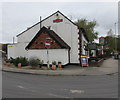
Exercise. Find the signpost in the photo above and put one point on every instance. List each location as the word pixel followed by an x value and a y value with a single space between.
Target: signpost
pixel 47 45
pixel 102 42
pixel 84 61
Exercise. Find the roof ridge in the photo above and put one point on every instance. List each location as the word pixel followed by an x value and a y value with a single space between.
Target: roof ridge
pixel 45 19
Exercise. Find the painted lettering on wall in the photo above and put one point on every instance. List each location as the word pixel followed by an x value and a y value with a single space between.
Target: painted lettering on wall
pixel 58 19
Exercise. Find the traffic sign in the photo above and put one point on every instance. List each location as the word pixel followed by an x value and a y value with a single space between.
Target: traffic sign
pixel 47 44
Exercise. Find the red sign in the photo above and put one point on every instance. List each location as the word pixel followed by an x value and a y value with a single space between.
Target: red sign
pixel 101 40
pixel 47 44
pixel 57 20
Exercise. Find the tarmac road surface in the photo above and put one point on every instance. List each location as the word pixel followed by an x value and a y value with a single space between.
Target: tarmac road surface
pixel 17 85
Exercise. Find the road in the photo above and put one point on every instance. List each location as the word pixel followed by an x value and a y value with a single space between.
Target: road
pixel 17 85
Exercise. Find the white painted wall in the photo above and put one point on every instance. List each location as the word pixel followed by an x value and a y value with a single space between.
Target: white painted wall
pixel 54 55
pixel 64 29
pixel 11 51
pixel 20 49
pixel 17 50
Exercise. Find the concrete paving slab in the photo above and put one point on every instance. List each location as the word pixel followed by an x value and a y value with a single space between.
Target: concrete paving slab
pixel 109 66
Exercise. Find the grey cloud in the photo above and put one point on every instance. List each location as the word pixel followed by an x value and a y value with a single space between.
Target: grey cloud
pixel 18 16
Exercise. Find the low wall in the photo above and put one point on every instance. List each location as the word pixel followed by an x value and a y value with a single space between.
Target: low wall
pixel 96 63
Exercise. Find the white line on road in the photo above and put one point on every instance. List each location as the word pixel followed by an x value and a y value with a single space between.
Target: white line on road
pixel 77 91
pixel 20 86
pixel 55 95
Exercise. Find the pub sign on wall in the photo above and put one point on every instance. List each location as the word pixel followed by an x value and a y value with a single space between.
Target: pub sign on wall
pixel 58 19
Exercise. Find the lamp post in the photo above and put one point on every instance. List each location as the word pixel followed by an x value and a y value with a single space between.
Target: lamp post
pixel 115 38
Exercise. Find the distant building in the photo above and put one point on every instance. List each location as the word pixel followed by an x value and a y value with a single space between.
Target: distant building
pixel 67 41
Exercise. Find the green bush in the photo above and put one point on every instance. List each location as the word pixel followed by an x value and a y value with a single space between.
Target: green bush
pixel 54 63
pixel 59 62
pixel 11 60
pixel 7 60
pixel 41 62
pixel 22 60
pixel 34 61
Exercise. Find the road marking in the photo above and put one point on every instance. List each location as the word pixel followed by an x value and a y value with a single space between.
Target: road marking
pixel 20 86
pixel 77 91
pixel 55 95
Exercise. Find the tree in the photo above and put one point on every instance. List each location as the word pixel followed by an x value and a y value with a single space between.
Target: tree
pixel 113 43
pixel 89 28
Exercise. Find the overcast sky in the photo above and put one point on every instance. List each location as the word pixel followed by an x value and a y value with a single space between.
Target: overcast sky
pixel 17 16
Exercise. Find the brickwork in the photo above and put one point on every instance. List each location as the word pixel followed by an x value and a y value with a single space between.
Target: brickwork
pixel 39 43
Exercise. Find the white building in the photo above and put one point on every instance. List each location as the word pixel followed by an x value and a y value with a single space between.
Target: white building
pixel 66 39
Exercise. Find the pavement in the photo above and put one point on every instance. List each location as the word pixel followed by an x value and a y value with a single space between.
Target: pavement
pixel 108 67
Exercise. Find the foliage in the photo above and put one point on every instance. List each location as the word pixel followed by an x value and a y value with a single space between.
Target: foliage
pixel 7 60
pixel 89 28
pixel 41 62
pixel 22 60
pixel 34 61
pixel 54 63
pixel 113 43
pixel 11 60
pixel 59 62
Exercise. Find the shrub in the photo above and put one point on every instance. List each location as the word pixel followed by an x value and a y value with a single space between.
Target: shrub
pixel 11 60
pixel 16 61
pixel 41 62
pixel 54 62
pixel 7 60
pixel 22 60
pixel 34 61
pixel 59 62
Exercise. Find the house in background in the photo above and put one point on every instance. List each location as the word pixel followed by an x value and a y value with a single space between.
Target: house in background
pixel 66 39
